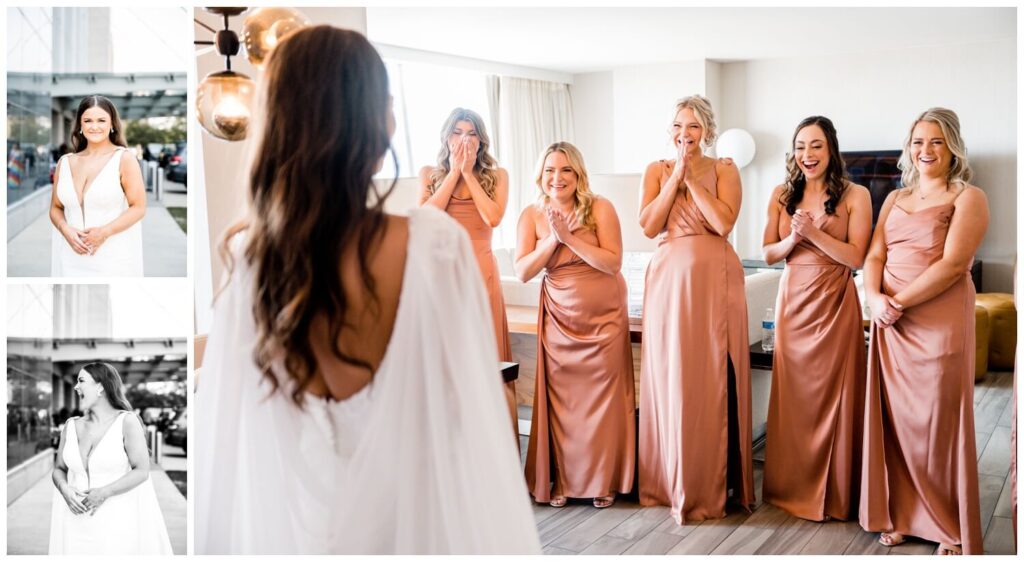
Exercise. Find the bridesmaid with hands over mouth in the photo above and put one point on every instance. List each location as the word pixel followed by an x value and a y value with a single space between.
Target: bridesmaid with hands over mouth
pixel 695 430
pixel 467 184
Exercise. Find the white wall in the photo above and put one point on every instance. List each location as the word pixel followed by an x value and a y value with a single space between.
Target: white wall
pixel 872 99
pixel 593 106
pixel 622 115
pixel 644 97
pixel 226 163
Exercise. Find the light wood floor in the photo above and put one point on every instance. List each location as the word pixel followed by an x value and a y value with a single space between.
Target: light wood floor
pixel 627 528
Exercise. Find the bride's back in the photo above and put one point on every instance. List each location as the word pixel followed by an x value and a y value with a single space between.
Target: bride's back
pixel 326 265
pixel 367 328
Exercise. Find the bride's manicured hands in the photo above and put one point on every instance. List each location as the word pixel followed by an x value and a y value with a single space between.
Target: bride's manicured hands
pixel 74 500
pixel 93 499
pixel 95 237
pixel 75 239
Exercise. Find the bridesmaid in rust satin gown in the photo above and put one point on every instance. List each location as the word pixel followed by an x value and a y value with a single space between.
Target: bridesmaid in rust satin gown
pixel 582 438
pixel 695 428
pixel 821 224
pixel 920 474
pixel 468 185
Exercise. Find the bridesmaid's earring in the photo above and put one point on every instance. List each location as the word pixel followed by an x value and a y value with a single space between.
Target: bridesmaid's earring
pixel 100 393
pixel 113 130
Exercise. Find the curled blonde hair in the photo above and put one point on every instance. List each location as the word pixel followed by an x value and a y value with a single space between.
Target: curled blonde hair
pixel 486 167
pixel 584 197
pixel 947 120
pixel 701 108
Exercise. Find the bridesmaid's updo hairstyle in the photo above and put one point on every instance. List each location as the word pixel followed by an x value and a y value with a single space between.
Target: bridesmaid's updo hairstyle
pixel 701 108
pixel 486 166
pixel 947 120
pixel 320 138
pixel 835 173
pixel 584 197
pixel 78 140
pixel 113 388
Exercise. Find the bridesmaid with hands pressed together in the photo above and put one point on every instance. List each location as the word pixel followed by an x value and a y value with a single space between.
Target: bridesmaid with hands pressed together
pixel 820 223
pixel 920 474
pixel 695 430
pixel 468 184
pixel 582 436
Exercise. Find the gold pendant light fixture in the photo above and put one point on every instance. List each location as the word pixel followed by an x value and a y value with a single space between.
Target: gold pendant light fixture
pixel 224 99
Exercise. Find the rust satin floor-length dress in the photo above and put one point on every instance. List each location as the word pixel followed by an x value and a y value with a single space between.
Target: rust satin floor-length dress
pixel 816 410
pixel 920 475
pixel 695 428
pixel 583 433
pixel 480 234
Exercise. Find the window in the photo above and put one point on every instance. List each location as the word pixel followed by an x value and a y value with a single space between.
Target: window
pixel 424 96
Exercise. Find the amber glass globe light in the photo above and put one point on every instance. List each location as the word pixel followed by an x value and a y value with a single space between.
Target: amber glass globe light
pixel 264 28
pixel 224 104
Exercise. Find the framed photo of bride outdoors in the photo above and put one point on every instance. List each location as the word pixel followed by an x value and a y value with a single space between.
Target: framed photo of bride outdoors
pixel 97 423
pixel 97 159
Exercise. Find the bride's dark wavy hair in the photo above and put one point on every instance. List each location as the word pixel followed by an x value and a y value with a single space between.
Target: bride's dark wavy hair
pixel 835 173
pixel 324 134
pixel 113 388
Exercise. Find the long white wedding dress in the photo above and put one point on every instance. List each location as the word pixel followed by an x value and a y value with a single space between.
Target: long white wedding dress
pixel 104 200
pixel 128 523
pixel 418 462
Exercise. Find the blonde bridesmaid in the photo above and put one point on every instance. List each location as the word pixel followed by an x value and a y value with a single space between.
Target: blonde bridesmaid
pixel 582 438
pixel 820 223
pixel 695 433
pixel 468 185
pixel 920 474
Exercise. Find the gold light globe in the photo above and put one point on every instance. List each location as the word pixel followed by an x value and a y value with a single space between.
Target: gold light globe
pixel 264 28
pixel 224 103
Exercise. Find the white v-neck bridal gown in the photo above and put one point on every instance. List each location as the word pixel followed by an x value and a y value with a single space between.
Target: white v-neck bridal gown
pixel 128 523
pixel 103 201
pixel 417 462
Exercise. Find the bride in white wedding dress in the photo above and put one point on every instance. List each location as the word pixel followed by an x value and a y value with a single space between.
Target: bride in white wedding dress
pixel 351 400
pixel 98 199
pixel 104 502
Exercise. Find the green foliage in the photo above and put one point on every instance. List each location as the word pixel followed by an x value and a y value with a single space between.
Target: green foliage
pixel 142 398
pixel 140 131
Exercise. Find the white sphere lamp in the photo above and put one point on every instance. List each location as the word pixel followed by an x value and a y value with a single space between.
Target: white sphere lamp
pixel 736 144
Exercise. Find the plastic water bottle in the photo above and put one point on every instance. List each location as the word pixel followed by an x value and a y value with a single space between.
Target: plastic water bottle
pixel 768 331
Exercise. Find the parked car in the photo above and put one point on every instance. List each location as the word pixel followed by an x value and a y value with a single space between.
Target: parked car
pixel 177 432
pixel 177 166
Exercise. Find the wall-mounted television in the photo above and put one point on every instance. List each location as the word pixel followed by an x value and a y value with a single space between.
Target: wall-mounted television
pixel 877 171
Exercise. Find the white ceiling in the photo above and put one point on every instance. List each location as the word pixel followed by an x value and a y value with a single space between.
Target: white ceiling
pixel 592 39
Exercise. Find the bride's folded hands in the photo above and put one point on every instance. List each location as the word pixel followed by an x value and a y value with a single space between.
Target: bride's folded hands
pixel 93 499
pixel 75 239
pixel 95 237
pixel 73 498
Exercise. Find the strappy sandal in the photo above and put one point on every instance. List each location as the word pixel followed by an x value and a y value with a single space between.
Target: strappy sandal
pixel 558 501
pixel 604 501
pixel 948 550
pixel 891 539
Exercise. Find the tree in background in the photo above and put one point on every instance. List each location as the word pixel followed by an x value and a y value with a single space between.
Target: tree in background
pixel 166 130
